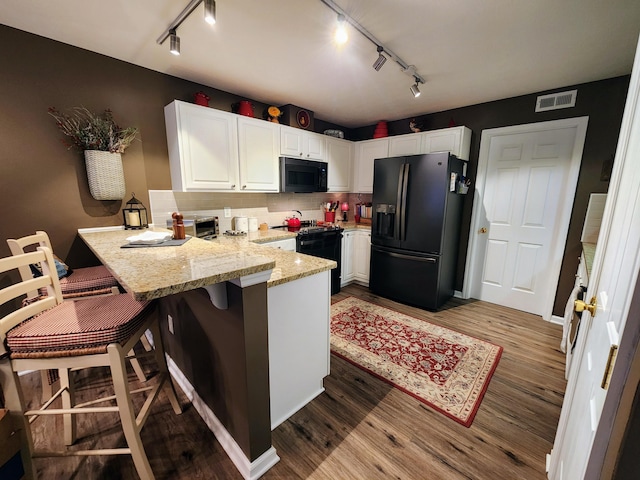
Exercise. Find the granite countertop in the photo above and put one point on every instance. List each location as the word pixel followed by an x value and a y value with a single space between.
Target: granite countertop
pixel 154 272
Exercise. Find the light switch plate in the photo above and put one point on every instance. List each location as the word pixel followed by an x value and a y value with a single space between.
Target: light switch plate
pixel 227 212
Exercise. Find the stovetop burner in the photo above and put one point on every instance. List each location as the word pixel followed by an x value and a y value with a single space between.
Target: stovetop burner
pixel 318 229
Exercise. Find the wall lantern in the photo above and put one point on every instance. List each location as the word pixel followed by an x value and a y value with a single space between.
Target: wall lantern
pixel 135 215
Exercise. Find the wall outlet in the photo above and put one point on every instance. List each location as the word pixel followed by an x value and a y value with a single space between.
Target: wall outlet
pixel 227 212
pixel 170 323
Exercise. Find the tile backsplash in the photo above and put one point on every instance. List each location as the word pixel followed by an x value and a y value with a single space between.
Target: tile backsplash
pixel 270 208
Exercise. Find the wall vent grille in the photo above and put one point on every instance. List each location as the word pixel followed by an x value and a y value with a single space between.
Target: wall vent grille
pixel 556 101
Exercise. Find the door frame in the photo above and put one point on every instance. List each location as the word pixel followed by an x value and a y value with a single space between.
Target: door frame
pixel 474 259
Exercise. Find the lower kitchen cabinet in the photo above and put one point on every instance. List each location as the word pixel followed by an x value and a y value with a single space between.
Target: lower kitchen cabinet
pixel 356 253
pixel 347 272
pixel 361 256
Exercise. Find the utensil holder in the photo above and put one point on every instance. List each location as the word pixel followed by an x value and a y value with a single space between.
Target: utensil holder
pixel 329 217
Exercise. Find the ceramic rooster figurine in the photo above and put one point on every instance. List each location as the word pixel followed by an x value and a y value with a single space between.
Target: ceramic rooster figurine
pixel 415 126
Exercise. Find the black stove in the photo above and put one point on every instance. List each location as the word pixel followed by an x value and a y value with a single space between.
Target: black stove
pixel 323 241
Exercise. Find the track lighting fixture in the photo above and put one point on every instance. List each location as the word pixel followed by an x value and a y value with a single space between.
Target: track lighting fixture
pixel 404 66
pixel 341 30
pixel 170 32
pixel 377 65
pixel 174 43
pixel 210 11
pixel 414 88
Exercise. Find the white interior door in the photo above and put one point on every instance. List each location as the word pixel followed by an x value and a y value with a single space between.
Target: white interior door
pixel 525 188
pixel 614 282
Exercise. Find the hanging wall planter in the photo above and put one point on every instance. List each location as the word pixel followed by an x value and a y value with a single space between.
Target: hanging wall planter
pixel 103 143
pixel 105 175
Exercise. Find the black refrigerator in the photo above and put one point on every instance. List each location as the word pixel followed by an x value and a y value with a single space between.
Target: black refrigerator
pixel 415 228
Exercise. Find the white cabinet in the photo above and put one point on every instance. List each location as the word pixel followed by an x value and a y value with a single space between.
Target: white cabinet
pixel 361 256
pixel 340 158
pixel 346 268
pixel 203 148
pixel 366 152
pixel 301 144
pixel 258 145
pixel 456 140
pixel 288 244
pixel 410 144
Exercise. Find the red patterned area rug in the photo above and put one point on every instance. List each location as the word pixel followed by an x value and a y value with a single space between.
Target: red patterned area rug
pixel 444 369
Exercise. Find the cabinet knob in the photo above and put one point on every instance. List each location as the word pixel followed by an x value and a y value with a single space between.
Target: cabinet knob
pixel 233 186
pixel 244 186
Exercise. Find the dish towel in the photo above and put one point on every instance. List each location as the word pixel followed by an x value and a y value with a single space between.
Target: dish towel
pixel 568 315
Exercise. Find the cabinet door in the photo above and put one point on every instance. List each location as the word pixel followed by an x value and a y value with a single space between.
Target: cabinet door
pixel 300 144
pixel 347 258
pixel 291 142
pixel 203 152
pixel 314 145
pixel 258 155
pixel 456 140
pixel 339 158
pixel 362 256
pixel 410 144
pixel 366 152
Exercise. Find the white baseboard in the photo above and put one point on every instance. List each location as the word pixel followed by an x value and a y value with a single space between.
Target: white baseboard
pixel 557 320
pixel 249 470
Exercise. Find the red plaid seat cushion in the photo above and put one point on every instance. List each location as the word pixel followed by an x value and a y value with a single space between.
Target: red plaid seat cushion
pixel 78 327
pixel 86 279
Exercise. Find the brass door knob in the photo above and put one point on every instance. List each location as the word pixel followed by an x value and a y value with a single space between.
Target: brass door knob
pixel 580 306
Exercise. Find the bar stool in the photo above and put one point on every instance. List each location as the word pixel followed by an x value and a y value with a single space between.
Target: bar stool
pixel 78 284
pixel 50 333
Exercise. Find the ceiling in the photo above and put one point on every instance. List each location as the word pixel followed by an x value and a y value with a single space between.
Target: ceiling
pixel 281 51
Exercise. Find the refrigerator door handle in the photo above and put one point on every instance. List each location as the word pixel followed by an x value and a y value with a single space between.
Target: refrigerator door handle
pixel 396 233
pixel 403 208
pixel 409 257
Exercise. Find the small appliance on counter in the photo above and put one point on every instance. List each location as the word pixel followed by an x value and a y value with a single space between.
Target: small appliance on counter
pixel 198 225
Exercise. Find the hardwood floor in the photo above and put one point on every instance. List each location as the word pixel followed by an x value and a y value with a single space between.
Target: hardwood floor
pixel 362 428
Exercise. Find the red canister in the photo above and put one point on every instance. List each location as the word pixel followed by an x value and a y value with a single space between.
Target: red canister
pixel 245 108
pixel 202 98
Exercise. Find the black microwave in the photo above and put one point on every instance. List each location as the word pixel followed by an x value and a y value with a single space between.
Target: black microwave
pixel 302 176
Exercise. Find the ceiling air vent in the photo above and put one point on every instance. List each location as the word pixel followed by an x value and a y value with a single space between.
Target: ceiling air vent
pixel 556 101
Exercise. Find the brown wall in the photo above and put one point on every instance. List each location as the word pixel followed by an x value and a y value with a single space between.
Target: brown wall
pixel 44 185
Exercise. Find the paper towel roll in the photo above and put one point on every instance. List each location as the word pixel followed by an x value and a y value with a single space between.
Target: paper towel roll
pixel 242 224
pixel 253 224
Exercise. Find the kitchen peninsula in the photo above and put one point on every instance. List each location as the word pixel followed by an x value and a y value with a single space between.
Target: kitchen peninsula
pixel 245 326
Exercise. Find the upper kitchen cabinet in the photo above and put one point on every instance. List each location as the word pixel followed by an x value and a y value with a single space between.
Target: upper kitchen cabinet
pixel 366 152
pixel 456 140
pixel 258 147
pixel 409 144
pixel 301 144
pixel 203 147
pixel 340 159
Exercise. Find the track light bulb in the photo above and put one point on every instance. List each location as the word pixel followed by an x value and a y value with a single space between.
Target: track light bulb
pixel 377 65
pixel 210 11
pixel 341 36
pixel 174 43
pixel 415 90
